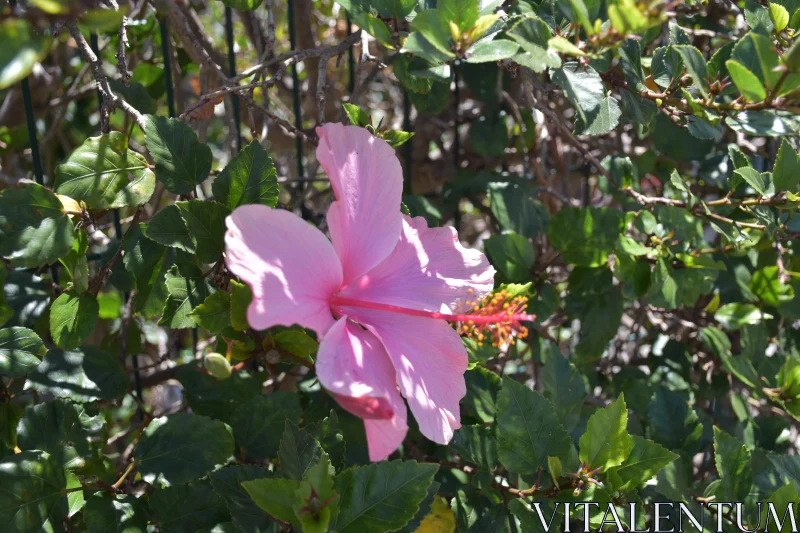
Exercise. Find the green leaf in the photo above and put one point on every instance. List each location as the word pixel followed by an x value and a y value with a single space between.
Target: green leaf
pixel 274 496
pixel 512 255
pixel 186 288
pixel 61 429
pixel 381 496
pixel 397 138
pixel 298 451
pixel 606 442
pixel 118 514
pixel 781 499
pixel 188 508
pixel 757 180
pixel 205 222
pixel 674 424
pixel 219 399
pixel 564 46
pixel 564 386
pixel 104 173
pixel 747 82
pixel 182 162
pixel 249 178
pixel 733 465
pixel 464 13
pixel 21 350
pixel 244 5
pixel 34 498
pixel 359 117
pixel 148 262
pixel 516 209
pixel 34 230
pixel 788 466
pixel 528 430
pixel 598 303
pixel 488 135
pixel 23 49
pixel 477 445
pixel 491 51
pixel 786 174
pixel 643 464
pixel 432 27
pixel 767 123
pixel 596 113
pixel 181 447
pixel 585 237
pixel 82 375
pixel 100 20
pixel 695 65
pixel 394 8
pixel 317 485
pixel 72 318
pixel 241 296
pixel 229 483
pixel 167 227
pixel 6 312
pixel 483 386
pixel 779 16
pixel 296 342
pixel 259 424
pixel 736 315
pixel 214 314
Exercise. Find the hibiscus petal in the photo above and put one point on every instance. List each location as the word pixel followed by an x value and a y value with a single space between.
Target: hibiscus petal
pixel 429 359
pixel 290 266
pixel 354 366
pixel 367 182
pixel 429 269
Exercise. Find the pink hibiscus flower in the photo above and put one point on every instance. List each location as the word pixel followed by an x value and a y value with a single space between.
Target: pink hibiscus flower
pixel 380 294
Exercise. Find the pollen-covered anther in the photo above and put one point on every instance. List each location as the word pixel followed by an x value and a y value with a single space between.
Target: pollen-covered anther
pixel 497 319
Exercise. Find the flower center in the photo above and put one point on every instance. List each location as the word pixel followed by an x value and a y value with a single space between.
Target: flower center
pixel 496 318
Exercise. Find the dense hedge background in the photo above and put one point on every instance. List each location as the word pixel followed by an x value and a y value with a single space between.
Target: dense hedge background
pixel 628 166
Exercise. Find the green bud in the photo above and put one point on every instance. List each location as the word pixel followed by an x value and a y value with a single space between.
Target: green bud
pixel 217 365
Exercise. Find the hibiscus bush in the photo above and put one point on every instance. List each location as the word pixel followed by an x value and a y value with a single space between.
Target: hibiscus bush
pixel 395 265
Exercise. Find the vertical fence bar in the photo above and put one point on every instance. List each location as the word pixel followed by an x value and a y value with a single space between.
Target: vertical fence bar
pixel 351 62
pixel 232 72
pixel 407 146
pixel 298 121
pixel 30 119
pixel 164 29
pixel 456 143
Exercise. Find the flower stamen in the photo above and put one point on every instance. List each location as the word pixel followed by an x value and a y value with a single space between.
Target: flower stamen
pixel 497 318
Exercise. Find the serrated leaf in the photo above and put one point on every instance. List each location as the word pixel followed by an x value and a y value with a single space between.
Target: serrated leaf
pixel 214 314
pixel 607 442
pixel 72 318
pixel 228 483
pixel 674 423
pixel 733 465
pixel 259 424
pixel 82 375
pixel 205 222
pixel 220 399
pixel 528 430
pixel 298 451
pixel 21 350
pixel 104 173
pixel 643 464
pixel 696 65
pixel 464 13
pixel 60 428
pixel 182 162
pixel 23 49
pixel 512 255
pixel 186 290
pixel 118 514
pixel 382 496
pixel 491 51
pixel 44 483
pixel 274 496
pixel 188 508
pixel 585 237
pixel 168 228
pixel 34 230
pixel 596 113
pixel 747 82
pixel 757 180
pixel 148 262
pixel 477 445
pixel 564 387
pixel 779 16
pixel 181 447
pixel 359 117
pixel 249 178
pixel 786 173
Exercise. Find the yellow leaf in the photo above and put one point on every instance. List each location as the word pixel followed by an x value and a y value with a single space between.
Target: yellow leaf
pixel 440 519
